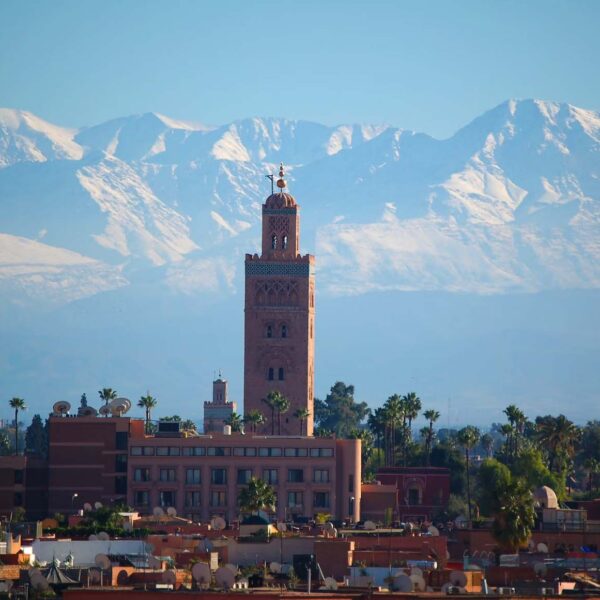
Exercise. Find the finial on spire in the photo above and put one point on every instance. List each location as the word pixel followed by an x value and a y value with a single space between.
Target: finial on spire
pixel 281 181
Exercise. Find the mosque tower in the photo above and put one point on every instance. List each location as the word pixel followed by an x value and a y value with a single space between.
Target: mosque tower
pixel 279 318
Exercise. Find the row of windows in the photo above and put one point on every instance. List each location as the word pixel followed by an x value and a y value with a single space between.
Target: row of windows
pixel 223 451
pixel 219 476
pixel 218 499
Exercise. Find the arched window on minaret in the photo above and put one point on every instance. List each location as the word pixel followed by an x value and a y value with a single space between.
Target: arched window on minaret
pixel 274 242
pixel 281 374
pixel 284 331
pixel 271 374
pixel 284 242
pixel 269 331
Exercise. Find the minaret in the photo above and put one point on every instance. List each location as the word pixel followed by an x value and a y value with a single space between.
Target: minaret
pixel 279 317
pixel 220 409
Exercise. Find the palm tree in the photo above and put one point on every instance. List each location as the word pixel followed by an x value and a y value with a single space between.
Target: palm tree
pixel 259 495
pixel 413 407
pixel 188 425
pixel 302 414
pixel 18 404
pixel 377 424
pixel 254 418
pixel 487 442
pixel 393 413
pixel 366 445
pixel 432 416
pixel 592 466
pixel 107 394
pixel 234 421
pixel 558 436
pixel 517 419
pixel 271 401
pixel 467 438
pixel 516 516
pixel 282 405
pixel 147 402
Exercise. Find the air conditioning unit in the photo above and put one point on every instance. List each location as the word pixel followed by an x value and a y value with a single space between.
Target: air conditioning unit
pixel 506 591
pixel 453 590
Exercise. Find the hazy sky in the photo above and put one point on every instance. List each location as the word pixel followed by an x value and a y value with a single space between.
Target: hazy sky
pixel 429 66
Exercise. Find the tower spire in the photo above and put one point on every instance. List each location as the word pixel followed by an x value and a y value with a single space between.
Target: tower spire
pixel 281 181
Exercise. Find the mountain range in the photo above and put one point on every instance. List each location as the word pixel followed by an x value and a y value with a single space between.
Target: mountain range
pixel 151 209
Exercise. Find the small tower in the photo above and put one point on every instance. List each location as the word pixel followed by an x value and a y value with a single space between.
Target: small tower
pixel 220 409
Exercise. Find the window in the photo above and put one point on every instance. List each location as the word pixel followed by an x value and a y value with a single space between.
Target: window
pixel 269 451
pixel 414 496
pixel 136 451
pixel 290 452
pixel 218 498
pixel 121 440
pixel 270 476
pixel 193 499
pixel 302 452
pixel 120 485
pixel 284 331
pixel 167 498
pixel 250 451
pixel 195 451
pixel 295 475
pixel 18 499
pixel 321 500
pixel 295 500
pixel 168 475
pixel 274 242
pixel 192 476
pixel 351 483
pixel 18 475
pixel 218 451
pixel 269 331
pixel 164 451
pixel 148 451
pixel 244 476
pixel 270 374
pixel 321 452
pixel 218 476
pixel 141 474
pixel 174 451
pixel 321 476
pixel 121 463
pixel 281 374
pixel 141 498
pixel 284 242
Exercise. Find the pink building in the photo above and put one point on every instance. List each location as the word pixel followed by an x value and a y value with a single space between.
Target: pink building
pixel 202 476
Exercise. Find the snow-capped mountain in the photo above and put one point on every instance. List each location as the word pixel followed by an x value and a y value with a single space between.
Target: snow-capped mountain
pixel 510 202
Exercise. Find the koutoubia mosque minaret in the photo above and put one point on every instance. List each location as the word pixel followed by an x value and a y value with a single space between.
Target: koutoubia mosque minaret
pixel 279 317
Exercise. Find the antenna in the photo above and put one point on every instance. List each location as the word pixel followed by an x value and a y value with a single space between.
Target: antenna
pixel 272 178
pixel 61 408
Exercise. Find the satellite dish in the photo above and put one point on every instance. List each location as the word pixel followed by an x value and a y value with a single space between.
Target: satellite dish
pixel 419 584
pixel 104 410
pixel 87 506
pixel 218 523
pixel 541 547
pixel 154 563
pixel 169 577
pixel 281 527
pixel 103 536
pixel 330 583
pixel 92 537
pixel 232 568
pixel 444 588
pixel 40 585
pixel 94 576
pixel 119 406
pixel 171 511
pixel 540 569
pixel 275 567
pixel 97 505
pixel 157 511
pixel 402 583
pixel 87 411
pixel 416 571
pixel 329 526
pixel 224 578
pixel 201 572
pixel 370 526
pixel 458 578
pixel 35 574
pixel 433 530
pixel 102 561
pixel 61 408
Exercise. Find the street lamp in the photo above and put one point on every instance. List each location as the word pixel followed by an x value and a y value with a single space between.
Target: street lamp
pixel 75 495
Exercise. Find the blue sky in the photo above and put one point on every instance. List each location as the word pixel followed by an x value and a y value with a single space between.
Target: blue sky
pixel 429 66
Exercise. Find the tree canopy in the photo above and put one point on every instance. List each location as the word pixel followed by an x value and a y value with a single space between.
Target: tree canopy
pixel 339 412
